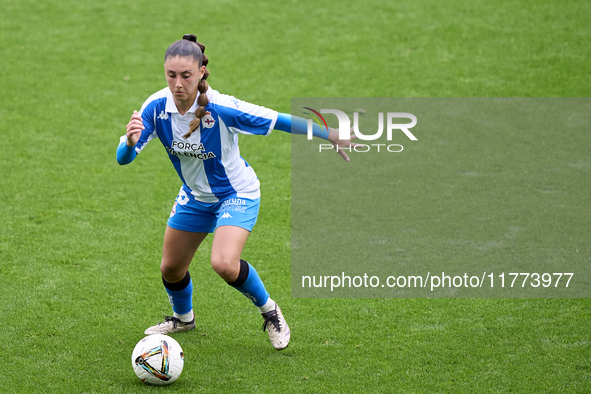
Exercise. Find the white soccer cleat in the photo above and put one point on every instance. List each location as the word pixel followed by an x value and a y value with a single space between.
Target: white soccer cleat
pixel 277 328
pixel 170 325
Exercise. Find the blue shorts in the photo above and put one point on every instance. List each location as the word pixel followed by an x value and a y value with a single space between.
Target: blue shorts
pixel 200 217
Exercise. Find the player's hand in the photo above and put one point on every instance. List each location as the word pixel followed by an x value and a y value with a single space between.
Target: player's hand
pixel 338 144
pixel 134 129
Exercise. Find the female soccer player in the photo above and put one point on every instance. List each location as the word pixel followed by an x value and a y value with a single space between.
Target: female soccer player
pixel 220 194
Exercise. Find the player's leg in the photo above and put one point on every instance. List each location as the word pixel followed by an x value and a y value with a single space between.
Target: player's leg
pixel 227 246
pixel 177 252
pixel 189 223
pixel 226 249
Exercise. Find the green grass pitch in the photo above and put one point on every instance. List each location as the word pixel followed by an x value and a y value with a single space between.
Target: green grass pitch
pixel 80 236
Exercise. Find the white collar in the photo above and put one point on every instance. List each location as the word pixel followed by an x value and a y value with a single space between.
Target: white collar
pixel 171 106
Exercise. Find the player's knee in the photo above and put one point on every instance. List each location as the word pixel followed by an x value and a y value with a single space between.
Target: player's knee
pixel 171 273
pixel 225 267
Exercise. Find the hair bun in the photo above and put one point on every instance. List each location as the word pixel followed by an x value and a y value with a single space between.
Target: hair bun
pixel 190 37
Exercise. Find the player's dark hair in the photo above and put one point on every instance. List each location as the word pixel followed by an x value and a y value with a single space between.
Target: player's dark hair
pixel 190 47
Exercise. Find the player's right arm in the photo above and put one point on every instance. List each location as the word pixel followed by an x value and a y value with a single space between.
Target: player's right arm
pixel 141 129
pixel 126 150
pixel 134 129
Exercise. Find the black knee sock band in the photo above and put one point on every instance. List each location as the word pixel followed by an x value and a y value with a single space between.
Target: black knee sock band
pixel 242 275
pixel 178 286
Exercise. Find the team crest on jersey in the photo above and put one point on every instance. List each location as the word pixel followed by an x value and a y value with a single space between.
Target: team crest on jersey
pixel 208 121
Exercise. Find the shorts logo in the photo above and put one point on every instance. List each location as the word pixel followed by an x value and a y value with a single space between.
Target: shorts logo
pixel 182 198
pixel 173 209
pixel 234 205
pixel 226 215
pixel 208 121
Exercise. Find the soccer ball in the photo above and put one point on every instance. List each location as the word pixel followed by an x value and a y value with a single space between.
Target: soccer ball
pixel 157 359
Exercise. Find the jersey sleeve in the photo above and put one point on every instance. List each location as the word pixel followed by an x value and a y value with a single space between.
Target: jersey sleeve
pixel 147 112
pixel 125 154
pixel 148 115
pixel 245 118
pixel 296 125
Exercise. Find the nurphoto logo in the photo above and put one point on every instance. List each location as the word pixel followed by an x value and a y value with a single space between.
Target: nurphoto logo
pixel 345 128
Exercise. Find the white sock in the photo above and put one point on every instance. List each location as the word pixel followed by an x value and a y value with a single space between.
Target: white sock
pixel 185 317
pixel 268 306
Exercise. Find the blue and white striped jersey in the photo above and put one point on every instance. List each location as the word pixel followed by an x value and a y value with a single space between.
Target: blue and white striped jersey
pixel 209 161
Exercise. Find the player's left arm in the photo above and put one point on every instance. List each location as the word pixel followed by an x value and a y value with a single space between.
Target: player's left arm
pixel 246 118
pixel 297 125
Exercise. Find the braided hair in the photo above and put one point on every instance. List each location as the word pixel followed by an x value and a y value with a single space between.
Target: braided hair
pixel 190 47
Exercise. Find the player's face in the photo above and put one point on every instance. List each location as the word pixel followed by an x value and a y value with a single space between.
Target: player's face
pixel 183 75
